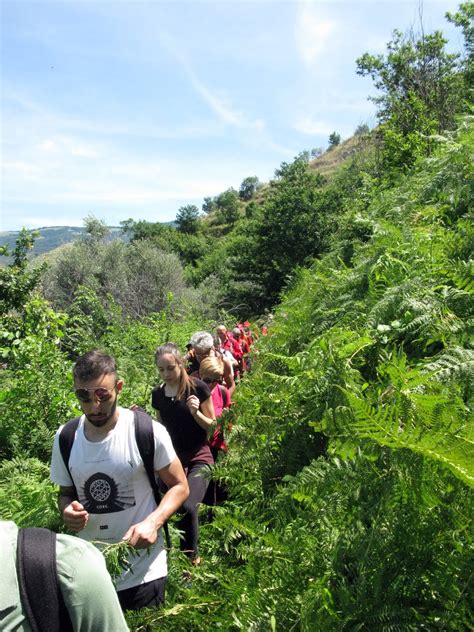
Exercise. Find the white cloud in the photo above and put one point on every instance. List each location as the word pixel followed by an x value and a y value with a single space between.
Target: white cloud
pixel 45 117
pixel 309 125
pixel 113 193
pixel 21 167
pixel 332 113
pixel 47 145
pixel 68 146
pixel 221 106
pixel 84 151
pixel 312 32
pixel 114 179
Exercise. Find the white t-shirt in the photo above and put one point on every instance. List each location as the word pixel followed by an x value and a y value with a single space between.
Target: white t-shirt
pixel 113 486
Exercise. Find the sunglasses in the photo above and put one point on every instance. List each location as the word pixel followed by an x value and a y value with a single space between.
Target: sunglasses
pixel 210 380
pixel 100 393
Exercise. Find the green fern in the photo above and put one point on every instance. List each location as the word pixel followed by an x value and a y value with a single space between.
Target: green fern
pixel 413 414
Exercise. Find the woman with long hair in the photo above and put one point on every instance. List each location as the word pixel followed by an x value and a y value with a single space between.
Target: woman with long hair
pixel 184 406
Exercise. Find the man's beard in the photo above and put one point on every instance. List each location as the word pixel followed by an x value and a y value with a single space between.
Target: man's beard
pixel 99 421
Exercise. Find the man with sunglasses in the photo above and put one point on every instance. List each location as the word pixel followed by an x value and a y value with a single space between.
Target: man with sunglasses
pixel 105 494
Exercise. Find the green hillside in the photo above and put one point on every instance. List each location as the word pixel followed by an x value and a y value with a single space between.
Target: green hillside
pixel 351 465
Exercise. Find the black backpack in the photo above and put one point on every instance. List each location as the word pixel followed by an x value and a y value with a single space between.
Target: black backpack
pixel 40 593
pixel 145 443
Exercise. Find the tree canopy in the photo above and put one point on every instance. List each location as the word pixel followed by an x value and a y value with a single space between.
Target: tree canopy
pixel 187 219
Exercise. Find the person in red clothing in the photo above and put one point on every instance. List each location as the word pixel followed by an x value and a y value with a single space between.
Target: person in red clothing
pixel 244 349
pixel 211 372
pixel 247 333
pixel 228 343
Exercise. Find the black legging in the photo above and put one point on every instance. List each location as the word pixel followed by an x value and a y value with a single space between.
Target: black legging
pixel 189 523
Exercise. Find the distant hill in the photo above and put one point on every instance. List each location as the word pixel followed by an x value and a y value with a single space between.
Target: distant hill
pixel 51 237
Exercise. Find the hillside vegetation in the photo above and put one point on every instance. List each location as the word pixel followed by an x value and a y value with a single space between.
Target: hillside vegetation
pixel 350 465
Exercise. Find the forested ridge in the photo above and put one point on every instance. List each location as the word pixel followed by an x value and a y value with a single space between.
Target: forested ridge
pixel 350 463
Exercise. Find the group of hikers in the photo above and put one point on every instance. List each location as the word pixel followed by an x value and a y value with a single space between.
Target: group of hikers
pixel 122 476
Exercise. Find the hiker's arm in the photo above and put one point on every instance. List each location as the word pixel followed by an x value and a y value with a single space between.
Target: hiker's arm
pixel 145 533
pixel 229 377
pixel 74 515
pixel 203 412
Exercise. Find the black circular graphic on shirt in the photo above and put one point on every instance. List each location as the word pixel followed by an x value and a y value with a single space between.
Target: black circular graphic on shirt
pixel 100 491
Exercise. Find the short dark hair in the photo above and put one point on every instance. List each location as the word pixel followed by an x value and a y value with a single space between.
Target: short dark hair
pixel 92 365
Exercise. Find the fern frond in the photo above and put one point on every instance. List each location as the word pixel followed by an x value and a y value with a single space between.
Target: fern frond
pixel 27 496
pixel 444 439
pixel 455 363
pixel 463 276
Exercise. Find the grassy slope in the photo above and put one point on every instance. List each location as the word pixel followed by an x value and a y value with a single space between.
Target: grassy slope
pixel 332 160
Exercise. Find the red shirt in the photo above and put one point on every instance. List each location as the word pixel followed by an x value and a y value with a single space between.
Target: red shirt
pixel 232 345
pixel 220 399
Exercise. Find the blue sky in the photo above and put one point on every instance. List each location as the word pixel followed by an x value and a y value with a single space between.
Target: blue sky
pixel 126 109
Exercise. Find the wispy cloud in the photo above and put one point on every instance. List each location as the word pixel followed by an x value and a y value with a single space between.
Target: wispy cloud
pixel 219 104
pixel 60 170
pixel 332 112
pixel 310 125
pixel 312 32
pixel 48 117
pixel 223 108
pixel 21 167
pixel 63 145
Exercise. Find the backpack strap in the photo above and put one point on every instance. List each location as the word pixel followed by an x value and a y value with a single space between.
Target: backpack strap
pixel 66 440
pixel 40 592
pixel 146 446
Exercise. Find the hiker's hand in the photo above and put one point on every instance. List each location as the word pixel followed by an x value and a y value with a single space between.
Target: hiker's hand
pixel 143 534
pixel 193 404
pixel 75 516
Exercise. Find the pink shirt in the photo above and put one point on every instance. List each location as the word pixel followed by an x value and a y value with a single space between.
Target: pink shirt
pixel 220 398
